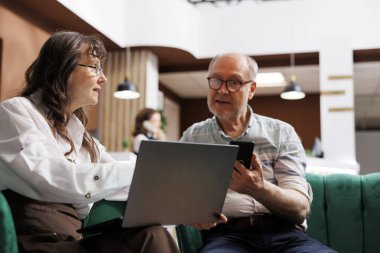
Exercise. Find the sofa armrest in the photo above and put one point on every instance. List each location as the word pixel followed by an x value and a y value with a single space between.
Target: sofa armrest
pixel 317 222
pixel 371 211
pixel 8 240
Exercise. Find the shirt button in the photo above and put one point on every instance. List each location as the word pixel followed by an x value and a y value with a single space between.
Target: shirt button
pixel 88 195
pixel 96 178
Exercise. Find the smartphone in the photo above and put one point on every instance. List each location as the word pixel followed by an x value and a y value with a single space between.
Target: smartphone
pixel 245 152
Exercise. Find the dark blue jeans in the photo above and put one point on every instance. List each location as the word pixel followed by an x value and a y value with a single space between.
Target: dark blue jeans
pixel 283 239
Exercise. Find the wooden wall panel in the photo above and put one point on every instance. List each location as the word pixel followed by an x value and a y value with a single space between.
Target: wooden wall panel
pixel 116 121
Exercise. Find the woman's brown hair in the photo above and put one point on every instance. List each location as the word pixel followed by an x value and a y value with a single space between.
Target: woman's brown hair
pixel 142 116
pixel 49 75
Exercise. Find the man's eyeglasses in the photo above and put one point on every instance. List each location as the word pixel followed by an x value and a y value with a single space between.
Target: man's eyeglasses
pixel 96 70
pixel 232 85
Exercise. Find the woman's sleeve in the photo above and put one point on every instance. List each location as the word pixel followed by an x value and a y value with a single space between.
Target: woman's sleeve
pixel 37 168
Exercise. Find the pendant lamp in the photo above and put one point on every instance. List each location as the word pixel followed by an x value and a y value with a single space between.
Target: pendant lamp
pixel 292 91
pixel 126 90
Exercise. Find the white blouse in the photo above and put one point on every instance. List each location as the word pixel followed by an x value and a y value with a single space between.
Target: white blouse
pixel 137 141
pixel 36 166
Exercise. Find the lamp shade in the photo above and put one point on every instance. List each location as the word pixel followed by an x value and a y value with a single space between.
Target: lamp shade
pixel 126 90
pixel 292 91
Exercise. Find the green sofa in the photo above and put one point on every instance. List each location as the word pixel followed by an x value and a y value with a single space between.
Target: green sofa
pixel 7 230
pixel 345 215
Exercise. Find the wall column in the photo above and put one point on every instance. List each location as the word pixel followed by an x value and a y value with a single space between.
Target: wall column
pixel 337 101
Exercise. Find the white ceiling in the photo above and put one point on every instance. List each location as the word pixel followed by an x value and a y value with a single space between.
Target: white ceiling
pixel 366 82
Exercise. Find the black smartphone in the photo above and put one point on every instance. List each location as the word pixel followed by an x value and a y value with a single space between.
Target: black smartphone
pixel 245 152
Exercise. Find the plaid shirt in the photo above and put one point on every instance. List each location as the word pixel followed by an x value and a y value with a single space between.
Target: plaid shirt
pixel 277 146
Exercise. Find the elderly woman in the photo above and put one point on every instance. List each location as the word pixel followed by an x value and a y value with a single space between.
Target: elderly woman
pixel 56 169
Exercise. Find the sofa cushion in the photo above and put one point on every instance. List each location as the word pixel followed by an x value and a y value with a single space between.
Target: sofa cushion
pixel 317 221
pixel 371 212
pixel 344 212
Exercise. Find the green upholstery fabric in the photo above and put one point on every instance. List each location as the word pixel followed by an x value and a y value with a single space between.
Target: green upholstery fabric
pixel 371 212
pixel 317 222
pixel 189 239
pixel 104 210
pixel 8 242
pixel 345 214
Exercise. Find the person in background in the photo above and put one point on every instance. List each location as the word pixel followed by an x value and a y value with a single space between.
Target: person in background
pixel 267 204
pixel 56 169
pixel 147 127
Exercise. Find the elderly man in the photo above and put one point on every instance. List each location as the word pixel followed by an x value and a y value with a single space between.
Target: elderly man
pixel 266 205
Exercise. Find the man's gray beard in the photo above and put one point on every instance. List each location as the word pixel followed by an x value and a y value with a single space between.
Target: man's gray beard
pixel 222 114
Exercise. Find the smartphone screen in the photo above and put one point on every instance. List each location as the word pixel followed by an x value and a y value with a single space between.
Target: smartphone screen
pixel 245 152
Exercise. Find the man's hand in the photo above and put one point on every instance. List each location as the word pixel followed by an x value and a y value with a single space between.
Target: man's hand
pixel 207 226
pixel 247 181
pixel 288 204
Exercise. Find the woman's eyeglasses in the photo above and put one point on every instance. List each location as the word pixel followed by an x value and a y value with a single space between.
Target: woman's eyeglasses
pixel 96 70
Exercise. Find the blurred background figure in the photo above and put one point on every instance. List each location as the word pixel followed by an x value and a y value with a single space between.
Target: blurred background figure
pixel 147 127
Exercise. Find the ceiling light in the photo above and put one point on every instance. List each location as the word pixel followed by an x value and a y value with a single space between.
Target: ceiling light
pixel 293 91
pixel 270 79
pixel 126 90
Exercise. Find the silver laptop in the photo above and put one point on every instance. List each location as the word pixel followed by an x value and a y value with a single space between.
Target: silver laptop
pixel 179 183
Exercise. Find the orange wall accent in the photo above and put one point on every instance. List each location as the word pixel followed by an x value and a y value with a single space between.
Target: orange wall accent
pixel 21 43
pixel 303 115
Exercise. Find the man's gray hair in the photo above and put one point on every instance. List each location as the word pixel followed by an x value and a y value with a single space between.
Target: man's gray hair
pixel 253 67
